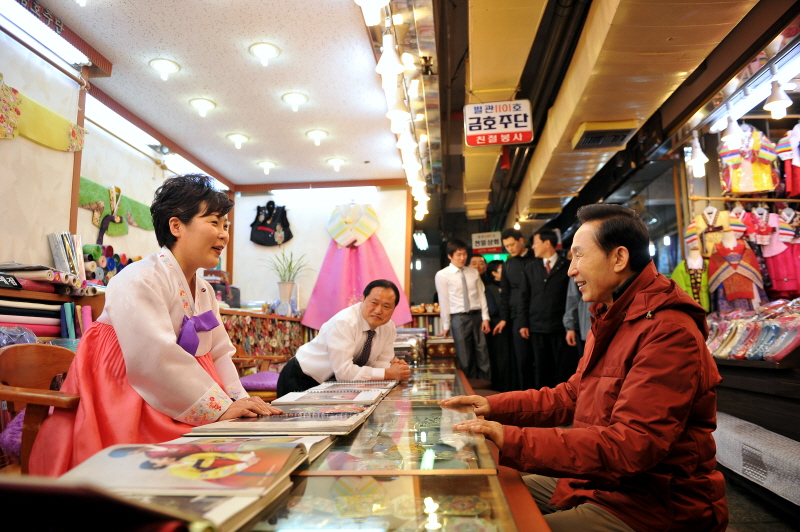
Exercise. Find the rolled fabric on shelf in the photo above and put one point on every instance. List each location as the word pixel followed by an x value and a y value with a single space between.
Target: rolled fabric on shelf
pixel 38 330
pixel 101 261
pixel 93 251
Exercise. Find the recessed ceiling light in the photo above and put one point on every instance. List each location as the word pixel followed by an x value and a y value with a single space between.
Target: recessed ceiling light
pixel 238 139
pixel 336 163
pixel 165 67
pixel 203 105
pixel 266 165
pixel 317 135
pixel 265 51
pixel 295 99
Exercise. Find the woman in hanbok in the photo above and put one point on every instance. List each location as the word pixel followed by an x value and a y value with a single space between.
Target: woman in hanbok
pixel 158 359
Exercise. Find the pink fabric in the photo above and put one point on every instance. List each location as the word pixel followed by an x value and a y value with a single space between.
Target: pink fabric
pixel 38 330
pixel 345 272
pixel 110 410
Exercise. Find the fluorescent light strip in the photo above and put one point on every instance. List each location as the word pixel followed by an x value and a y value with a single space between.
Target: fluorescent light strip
pixel 27 27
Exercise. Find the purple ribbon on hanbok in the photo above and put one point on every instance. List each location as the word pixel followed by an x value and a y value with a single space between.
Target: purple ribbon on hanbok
pixel 187 337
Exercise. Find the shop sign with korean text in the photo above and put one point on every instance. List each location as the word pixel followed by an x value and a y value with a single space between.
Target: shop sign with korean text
pixel 487 243
pixel 496 123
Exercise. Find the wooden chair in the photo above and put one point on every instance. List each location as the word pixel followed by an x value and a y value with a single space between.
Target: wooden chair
pixel 26 371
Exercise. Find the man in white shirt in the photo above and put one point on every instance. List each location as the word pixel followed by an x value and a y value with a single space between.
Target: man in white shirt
pixel 355 344
pixel 464 312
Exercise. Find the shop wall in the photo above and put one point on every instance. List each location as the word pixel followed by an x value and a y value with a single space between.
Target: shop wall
pixel 109 162
pixel 308 210
pixel 36 181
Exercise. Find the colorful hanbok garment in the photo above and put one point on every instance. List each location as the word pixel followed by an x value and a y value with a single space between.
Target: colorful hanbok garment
pixel 271 226
pixel 355 257
pixel 692 277
pixel 156 363
pixel 749 167
pixel 788 150
pixel 710 225
pixel 780 258
pixel 734 280
pixel 751 238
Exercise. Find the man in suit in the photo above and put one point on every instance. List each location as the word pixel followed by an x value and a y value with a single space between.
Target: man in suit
pixel 542 304
pixel 510 296
pixel 464 312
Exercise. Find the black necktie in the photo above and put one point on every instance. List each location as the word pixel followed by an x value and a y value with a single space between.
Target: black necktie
pixel 364 356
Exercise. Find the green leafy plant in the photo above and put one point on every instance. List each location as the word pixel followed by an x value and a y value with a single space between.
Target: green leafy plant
pixel 287 267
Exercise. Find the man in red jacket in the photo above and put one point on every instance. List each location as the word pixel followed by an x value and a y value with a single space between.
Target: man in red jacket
pixel 639 454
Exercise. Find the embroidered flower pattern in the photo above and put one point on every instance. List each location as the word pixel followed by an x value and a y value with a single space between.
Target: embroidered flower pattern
pixel 9 111
pixel 236 392
pixel 208 408
pixel 77 137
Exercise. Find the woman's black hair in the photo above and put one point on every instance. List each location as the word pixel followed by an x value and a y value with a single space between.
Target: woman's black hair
pixel 490 268
pixel 182 197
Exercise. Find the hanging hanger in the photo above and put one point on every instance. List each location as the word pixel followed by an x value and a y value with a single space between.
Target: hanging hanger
pixel 710 211
pixel 738 208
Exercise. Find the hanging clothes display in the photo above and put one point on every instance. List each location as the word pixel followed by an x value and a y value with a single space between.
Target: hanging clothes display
pixel 711 223
pixel 692 274
pixel 734 280
pixel 788 150
pixel 749 234
pixel 355 257
pixel 749 168
pixel 271 226
pixel 780 257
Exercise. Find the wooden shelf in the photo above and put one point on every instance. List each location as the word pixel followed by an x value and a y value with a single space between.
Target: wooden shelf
pixel 237 312
pixel 95 302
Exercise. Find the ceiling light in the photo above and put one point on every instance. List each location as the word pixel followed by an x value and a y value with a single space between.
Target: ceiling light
pixel 238 139
pixel 732 136
pixel 371 9
pixel 81 3
pixel 389 62
pixel 652 249
pixel 413 88
pixel 408 62
pixel 418 117
pixel 398 114
pixel 397 19
pixel 699 159
pixel 667 240
pixel 336 163
pixel 165 67
pixel 421 240
pixel 202 105
pixel 265 51
pixel 516 226
pixel 295 99
pixel 778 101
pixel 266 165
pixel 317 135
pixel 406 140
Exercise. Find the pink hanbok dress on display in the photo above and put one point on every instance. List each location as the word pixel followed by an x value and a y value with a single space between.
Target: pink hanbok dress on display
pixel 355 257
pixel 156 363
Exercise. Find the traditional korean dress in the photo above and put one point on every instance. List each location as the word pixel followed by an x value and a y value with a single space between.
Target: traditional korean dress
pixel 156 363
pixel 710 229
pixel 734 280
pixel 355 257
pixel 779 255
pixel 749 168
pixel 692 277
pixel 788 150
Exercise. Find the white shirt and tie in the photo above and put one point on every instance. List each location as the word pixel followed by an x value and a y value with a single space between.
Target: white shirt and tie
pixel 450 283
pixel 550 262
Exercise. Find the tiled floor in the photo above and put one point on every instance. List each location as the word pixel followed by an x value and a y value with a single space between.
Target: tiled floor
pixel 749 514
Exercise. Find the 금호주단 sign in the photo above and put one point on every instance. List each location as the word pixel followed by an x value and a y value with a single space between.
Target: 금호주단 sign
pixel 487 242
pixel 493 123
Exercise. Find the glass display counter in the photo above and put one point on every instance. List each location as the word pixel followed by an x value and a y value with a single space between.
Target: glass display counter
pixel 407 438
pixel 443 503
pixel 424 388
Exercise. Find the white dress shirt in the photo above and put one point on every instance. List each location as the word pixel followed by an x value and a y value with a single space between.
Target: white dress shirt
pixel 451 293
pixel 551 261
pixel 339 343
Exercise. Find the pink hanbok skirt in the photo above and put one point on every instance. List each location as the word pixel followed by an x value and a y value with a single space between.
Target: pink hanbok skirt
pixel 110 410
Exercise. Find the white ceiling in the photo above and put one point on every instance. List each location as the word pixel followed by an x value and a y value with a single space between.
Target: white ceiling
pixel 326 53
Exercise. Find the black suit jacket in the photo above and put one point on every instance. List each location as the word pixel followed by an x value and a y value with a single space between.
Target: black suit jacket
pixel 544 297
pixel 511 282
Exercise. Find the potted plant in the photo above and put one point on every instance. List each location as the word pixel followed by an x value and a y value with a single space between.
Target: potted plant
pixel 287 268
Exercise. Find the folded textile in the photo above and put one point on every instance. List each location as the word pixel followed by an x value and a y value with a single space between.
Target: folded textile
pixel 37 286
pixel 27 320
pixel 32 313
pixel 25 304
pixel 38 330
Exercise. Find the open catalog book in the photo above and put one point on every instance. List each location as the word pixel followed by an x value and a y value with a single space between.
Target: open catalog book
pixel 295 420
pixel 330 397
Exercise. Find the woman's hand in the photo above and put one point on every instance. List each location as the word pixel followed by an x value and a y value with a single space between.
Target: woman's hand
pixel 249 407
pixel 491 429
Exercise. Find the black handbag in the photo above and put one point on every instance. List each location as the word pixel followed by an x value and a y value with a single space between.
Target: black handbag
pixel 271 227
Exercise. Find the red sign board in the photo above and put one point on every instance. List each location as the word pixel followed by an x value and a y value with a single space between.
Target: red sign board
pixel 498 123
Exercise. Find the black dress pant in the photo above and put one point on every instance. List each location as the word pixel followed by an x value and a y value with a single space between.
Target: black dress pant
pixel 526 364
pixel 292 379
pixel 556 361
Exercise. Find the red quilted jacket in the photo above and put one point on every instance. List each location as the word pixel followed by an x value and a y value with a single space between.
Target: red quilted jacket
pixel 642 407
